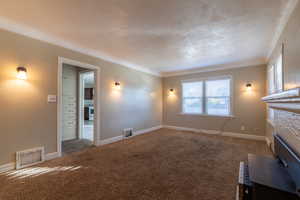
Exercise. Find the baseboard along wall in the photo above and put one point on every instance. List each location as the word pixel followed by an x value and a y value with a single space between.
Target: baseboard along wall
pixel 121 137
pixel 50 156
pixel 215 132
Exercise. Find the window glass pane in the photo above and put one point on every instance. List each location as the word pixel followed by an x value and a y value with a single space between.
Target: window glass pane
pixel 192 97
pixel 218 105
pixel 279 80
pixel 192 105
pixel 218 88
pixel 271 80
pixel 193 89
pixel 218 97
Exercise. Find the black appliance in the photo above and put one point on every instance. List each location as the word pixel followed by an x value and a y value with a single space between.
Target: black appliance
pixel 264 178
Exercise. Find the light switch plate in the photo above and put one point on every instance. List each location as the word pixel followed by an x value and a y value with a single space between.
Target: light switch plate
pixel 52 98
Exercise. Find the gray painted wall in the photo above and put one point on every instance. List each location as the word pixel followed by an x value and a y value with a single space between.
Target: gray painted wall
pixel 28 121
pixel 248 109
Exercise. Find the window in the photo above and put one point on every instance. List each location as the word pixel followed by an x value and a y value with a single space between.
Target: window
pixel 275 75
pixel 279 74
pixel 192 97
pixel 211 97
pixel 218 97
pixel 271 80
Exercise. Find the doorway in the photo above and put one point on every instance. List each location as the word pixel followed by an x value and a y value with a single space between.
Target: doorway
pixel 86 105
pixel 78 116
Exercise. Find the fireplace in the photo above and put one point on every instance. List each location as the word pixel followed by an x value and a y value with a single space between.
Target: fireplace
pixel 276 177
pixel 286 122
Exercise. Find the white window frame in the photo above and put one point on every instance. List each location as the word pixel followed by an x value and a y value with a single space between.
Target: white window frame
pixel 279 86
pixel 204 113
pixel 275 75
pixel 271 79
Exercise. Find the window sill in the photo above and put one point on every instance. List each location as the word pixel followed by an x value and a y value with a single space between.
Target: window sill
pixel 207 115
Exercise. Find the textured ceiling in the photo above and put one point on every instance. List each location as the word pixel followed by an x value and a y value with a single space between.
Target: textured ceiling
pixel 159 35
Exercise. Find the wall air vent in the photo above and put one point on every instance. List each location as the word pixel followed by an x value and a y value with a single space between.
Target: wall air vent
pixel 29 157
pixel 128 132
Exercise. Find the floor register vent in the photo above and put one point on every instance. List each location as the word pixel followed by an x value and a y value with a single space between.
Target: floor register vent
pixel 29 157
pixel 128 132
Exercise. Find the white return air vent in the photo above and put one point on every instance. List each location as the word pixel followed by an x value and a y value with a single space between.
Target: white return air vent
pixel 128 132
pixel 29 157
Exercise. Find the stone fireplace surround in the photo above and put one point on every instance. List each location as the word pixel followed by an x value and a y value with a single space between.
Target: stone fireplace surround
pixel 286 121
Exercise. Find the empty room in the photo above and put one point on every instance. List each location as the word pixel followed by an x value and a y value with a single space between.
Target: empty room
pixel 149 100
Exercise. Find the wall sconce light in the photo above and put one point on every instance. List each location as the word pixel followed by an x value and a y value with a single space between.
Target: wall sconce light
pixel 171 91
pixel 118 85
pixel 22 73
pixel 249 86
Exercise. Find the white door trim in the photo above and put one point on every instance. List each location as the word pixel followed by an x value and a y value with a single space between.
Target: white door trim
pixel 81 103
pixel 97 70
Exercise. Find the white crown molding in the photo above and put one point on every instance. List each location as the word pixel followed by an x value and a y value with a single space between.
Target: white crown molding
pixel 11 26
pixel 213 68
pixel 286 14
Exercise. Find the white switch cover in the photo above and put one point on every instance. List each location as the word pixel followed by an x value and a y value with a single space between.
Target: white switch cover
pixel 52 98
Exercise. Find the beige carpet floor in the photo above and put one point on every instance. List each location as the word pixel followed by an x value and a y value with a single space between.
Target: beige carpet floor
pixel 162 165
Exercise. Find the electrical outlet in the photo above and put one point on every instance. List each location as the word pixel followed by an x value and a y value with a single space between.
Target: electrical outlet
pixel 243 128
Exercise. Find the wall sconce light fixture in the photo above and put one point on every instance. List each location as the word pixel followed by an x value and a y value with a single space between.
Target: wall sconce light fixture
pixel 249 86
pixel 118 85
pixel 171 91
pixel 22 73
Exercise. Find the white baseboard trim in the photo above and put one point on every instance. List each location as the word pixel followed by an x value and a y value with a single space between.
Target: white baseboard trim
pixel 244 136
pixel 110 140
pixel 121 137
pixel 7 167
pixel 143 131
pixel 50 156
pixel 181 128
pixel 214 132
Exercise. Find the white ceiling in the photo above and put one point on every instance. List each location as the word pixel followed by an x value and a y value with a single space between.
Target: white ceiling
pixel 160 36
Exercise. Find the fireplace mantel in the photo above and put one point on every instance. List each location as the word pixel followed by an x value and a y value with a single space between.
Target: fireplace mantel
pixel 288 100
pixel 292 95
pixel 286 116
